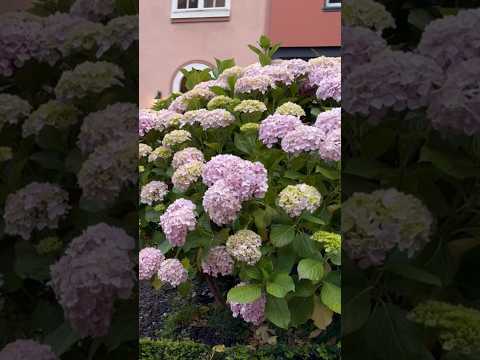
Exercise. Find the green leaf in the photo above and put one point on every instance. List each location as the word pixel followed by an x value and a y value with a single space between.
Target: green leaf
pixel 281 285
pixel 244 143
pixel 255 50
pixel 265 42
pixel 357 308
pixel 244 294
pixel 217 90
pixel 282 235
pixel 414 273
pixel 310 269
pixel 331 296
pixel 277 312
pixel 29 264
pixel 265 59
pixel 301 310
pixel 62 339
pixel 251 272
pixel 304 288
pixel 285 261
pixel 305 247
pixel 453 164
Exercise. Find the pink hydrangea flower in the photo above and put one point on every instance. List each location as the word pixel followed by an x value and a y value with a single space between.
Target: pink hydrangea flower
pixel 329 120
pixel 253 312
pixel 218 262
pixel 303 139
pixel 172 272
pixel 149 261
pixel 178 220
pixel 221 203
pixel 27 350
pixel 275 127
pixel 186 156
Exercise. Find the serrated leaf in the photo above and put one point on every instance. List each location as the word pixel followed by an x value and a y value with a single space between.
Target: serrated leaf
pixel 277 312
pixel 280 285
pixel 321 316
pixel 244 294
pixel 310 269
pixel 301 310
pixel 331 297
pixel 282 235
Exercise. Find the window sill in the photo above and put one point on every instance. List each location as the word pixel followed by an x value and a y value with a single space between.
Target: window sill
pixel 200 14
pixel 332 8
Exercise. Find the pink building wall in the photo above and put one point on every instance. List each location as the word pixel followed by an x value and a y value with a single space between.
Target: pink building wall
pixel 304 23
pixel 165 46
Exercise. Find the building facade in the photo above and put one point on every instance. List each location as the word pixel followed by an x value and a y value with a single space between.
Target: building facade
pixel 176 34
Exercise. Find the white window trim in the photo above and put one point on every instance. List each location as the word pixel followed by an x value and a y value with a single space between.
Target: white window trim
pixel 200 12
pixel 330 5
pixel 177 80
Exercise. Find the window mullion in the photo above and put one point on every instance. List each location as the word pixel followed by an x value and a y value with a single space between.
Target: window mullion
pixel 201 4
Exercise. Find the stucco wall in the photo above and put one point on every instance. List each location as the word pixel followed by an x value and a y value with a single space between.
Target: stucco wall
pixel 165 46
pixel 304 23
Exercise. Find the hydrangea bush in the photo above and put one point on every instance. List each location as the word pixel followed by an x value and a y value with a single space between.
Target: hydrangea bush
pixel 249 159
pixel 68 165
pixel 410 181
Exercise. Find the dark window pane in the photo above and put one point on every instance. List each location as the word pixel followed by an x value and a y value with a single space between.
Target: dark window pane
pixel 193 4
pixel 209 3
pixel 182 4
pixel 220 3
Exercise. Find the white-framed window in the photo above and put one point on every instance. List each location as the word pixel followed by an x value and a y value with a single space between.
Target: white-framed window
pixel 178 83
pixel 184 9
pixel 333 4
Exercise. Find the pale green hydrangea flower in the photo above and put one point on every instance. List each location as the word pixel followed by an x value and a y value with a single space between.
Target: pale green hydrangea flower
pixel 160 153
pixel 290 108
pixel 176 137
pixel 458 326
pixel 375 223
pixel 144 150
pixel 295 199
pixel 6 153
pixel 331 242
pixel 250 127
pixel 49 245
pixel 250 106
pixel 187 174
pixel 221 102
pixel 53 113
pixel 13 109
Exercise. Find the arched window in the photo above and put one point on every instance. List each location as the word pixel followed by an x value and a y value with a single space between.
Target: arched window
pixel 178 83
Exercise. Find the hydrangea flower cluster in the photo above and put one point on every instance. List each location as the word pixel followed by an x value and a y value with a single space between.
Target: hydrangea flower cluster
pixel 178 220
pixel 154 191
pixel 115 121
pixel 411 80
pixel 172 272
pixel 144 150
pixel 53 113
pixel 359 47
pixel 325 76
pixel 244 246
pixel 234 71
pixel 329 120
pixel 186 156
pixel 303 138
pixel 275 127
pixel 109 169
pixel 253 312
pixel 186 175
pixel 222 203
pixel 160 153
pixel 331 147
pixel 456 31
pixel 13 109
pixel 250 106
pixel 249 84
pixel 295 199
pixel 367 14
pixel 249 128
pixel 213 119
pixel 176 137
pixel 290 108
pixel 218 262
pixel 27 350
pixel 37 206
pixel 149 261
pixel 86 285
pixel 180 104
pixel 331 242
pixel 451 106
pixel 374 224
pixel 221 102
pixel 88 78
pixel 121 31
pixel 157 120
pixel 458 326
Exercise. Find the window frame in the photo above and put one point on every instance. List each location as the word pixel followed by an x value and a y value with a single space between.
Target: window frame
pixel 200 12
pixel 177 79
pixel 332 6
